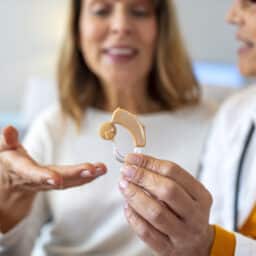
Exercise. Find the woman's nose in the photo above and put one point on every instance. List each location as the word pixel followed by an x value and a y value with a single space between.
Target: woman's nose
pixel 235 14
pixel 121 24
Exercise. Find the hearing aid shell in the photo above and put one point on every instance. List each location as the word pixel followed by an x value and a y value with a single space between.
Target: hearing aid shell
pixel 129 121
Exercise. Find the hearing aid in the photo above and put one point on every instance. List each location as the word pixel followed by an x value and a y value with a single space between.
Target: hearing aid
pixel 108 131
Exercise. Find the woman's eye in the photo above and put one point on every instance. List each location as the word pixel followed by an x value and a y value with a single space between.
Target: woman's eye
pixel 251 1
pixel 101 11
pixel 140 12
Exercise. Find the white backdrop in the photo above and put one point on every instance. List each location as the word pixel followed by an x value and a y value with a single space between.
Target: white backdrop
pixel 31 32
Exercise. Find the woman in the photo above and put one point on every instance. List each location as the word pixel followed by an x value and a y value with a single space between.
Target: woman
pixel 181 225
pixel 117 53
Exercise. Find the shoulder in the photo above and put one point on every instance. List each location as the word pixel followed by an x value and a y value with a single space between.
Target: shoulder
pixel 45 132
pixel 238 107
pixel 50 116
pixel 207 108
pixel 233 118
pixel 49 120
pixel 204 111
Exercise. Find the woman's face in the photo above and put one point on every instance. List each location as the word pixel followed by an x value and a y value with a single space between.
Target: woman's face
pixel 243 15
pixel 117 38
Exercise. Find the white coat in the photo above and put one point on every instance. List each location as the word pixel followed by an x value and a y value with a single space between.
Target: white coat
pixel 220 165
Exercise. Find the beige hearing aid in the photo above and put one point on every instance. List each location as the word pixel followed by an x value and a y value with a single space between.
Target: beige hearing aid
pixel 129 121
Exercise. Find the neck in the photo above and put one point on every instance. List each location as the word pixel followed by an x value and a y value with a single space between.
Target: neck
pixel 133 97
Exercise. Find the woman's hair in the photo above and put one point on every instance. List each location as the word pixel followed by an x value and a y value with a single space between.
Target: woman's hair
pixel 171 81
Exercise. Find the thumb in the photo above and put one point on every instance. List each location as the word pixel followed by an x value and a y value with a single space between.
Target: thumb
pixel 9 138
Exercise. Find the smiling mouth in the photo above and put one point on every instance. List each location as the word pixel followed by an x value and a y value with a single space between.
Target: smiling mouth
pixel 118 51
pixel 120 54
pixel 245 45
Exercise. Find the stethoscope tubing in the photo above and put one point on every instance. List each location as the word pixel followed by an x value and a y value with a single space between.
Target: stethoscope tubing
pixel 240 168
pixel 238 179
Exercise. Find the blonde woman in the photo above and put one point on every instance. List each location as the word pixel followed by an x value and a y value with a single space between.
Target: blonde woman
pixel 125 54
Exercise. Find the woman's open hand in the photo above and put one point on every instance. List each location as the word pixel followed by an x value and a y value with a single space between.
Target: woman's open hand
pixel 21 178
pixel 18 171
pixel 167 207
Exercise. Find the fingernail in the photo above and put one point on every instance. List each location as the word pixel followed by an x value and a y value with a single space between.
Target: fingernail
pixel 132 159
pixel 99 171
pixel 128 171
pixel 123 184
pixel 86 174
pixel 126 205
pixel 51 182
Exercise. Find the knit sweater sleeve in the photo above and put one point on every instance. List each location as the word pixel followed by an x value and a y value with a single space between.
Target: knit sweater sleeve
pixel 20 240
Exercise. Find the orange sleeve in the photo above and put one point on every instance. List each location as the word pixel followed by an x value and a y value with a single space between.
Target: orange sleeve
pixel 224 242
pixel 249 227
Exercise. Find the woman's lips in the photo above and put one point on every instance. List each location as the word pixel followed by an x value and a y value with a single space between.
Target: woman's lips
pixel 246 46
pixel 120 54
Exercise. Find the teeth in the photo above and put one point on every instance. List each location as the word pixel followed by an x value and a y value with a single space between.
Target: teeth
pixel 247 44
pixel 121 51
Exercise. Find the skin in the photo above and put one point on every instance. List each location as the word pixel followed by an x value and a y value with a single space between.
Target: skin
pixel 175 220
pixel 242 14
pixel 109 24
pixel 166 206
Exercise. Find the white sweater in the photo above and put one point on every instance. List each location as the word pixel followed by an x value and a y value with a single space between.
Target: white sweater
pixel 89 220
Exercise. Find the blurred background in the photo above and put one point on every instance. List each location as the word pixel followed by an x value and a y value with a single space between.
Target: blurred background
pixel 31 34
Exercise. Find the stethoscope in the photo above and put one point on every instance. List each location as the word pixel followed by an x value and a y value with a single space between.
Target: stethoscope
pixel 240 166
pixel 247 141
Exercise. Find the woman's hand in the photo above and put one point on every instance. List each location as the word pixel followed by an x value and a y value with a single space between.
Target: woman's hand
pixel 167 207
pixel 18 171
pixel 21 178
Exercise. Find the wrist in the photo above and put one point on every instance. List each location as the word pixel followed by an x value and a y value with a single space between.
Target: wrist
pixel 14 207
pixel 209 239
pixel 205 244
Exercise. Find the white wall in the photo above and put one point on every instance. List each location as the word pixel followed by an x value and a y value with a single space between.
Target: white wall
pixel 31 32
pixel 207 35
